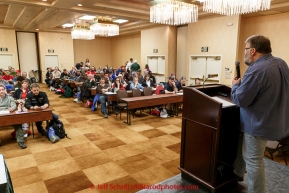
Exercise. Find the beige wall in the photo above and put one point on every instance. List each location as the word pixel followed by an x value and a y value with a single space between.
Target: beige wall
pixel 98 51
pixel 220 38
pixel 275 27
pixel 62 45
pixel 163 39
pixel 125 47
pixel 182 39
pixel 8 40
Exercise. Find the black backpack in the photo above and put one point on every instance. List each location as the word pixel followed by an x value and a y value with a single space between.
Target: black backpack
pixel 33 80
pixel 59 129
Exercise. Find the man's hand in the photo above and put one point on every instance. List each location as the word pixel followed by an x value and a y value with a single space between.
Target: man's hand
pixel 36 108
pixel 44 106
pixel 236 81
pixel 10 109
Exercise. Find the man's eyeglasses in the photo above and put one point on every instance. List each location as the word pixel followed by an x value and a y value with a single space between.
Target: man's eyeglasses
pixel 246 49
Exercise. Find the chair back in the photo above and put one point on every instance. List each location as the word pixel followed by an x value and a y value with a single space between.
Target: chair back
pixel 284 141
pixel 159 90
pixel 147 91
pixel 136 92
pixel 121 94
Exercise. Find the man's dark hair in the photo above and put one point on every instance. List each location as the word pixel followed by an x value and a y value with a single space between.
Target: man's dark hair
pixel 20 78
pixel 262 44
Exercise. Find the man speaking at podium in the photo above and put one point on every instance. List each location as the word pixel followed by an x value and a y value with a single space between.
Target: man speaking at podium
pixel 263 98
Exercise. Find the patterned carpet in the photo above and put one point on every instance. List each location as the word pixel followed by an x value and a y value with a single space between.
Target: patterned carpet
pixel 276 181
pixel 103 155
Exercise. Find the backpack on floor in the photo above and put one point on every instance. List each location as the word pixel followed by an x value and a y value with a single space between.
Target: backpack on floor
pixel 67 92
pixel 33 80
pixel 52 136
pixel 59 129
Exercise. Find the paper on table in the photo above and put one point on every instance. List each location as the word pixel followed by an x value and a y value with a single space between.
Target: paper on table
pixel 4 112
pixel 225 103
pixel 110 93
pixel 179 93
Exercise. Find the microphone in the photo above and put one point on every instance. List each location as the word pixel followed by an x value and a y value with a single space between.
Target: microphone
pixel 237 63
pixel 209 76
pixel 212 75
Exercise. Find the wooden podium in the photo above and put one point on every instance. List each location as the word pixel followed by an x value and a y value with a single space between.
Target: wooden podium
pixel 209 136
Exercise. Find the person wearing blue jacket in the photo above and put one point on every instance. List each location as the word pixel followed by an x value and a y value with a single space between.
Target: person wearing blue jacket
pixel 263 98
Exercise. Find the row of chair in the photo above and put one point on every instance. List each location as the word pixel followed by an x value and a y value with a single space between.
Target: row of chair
pixel 135 93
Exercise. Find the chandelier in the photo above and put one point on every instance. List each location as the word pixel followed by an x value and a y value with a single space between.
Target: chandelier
pixel 104 27
pixel 235 7
pixel 173 12
pixel 82 32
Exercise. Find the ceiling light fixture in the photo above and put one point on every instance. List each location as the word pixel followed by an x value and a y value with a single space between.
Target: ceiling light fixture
pixel 87 17
pixel 173 12
pixel 235 7
pixel 81 32
pixel 79 5
pixel 120 20
pixel 103 26
pixel 67 25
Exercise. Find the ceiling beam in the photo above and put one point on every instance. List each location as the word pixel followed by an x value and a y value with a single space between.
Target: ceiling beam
pixel 20 14
pixel 122 8
pixel 26 27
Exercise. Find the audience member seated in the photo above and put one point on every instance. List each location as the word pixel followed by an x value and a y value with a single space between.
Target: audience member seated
pixel 114 75
pixel 146 70
pixel 91 70
pixel 48 76
pixel 79 82
pixel 8 103
pixel 18 83
pixel 7 76
pixel 170 88
pixel 197 81
pixel 18 73
pixel 135 84
pixel 55 78
pixel 140 77
pixel 38 100
pixel 13 72
pixel 86 86
pixel 152 78
pixel 181 83
pixel 174 75
pixel 101 89
pixel 20 94
pixel 9 69
pixel 25 76
pixel 147 82
pixel 65 74
pixel 106 79
pixel 117 85
pixel 72 71
pixel 2 81
pixel 110 78
pixel 22 91
pixel 76 76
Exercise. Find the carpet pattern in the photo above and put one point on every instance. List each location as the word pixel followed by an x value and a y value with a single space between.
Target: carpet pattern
pixel 276 182
pixel 103 155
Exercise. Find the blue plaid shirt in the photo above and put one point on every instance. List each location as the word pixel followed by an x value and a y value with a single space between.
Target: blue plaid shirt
pixel 263 98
